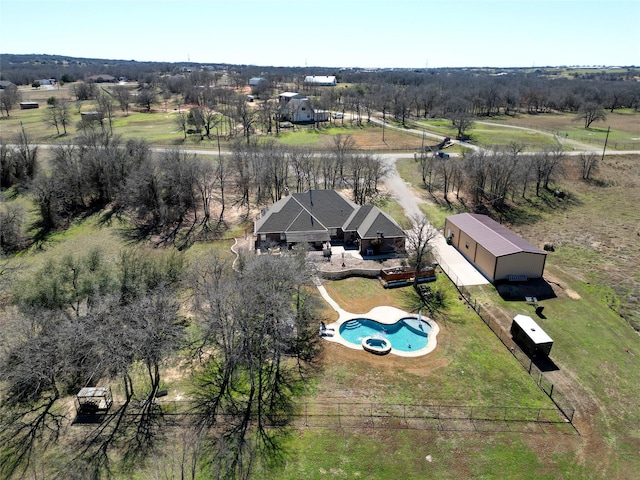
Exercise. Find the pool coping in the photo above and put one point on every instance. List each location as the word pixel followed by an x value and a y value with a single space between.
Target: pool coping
pixel 384 314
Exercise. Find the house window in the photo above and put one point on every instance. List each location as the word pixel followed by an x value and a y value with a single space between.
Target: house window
pixel 303 108
pixel 263 237
pixel 466 245
pixel 283 236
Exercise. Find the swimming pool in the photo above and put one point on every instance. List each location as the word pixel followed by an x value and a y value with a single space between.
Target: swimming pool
pixel 407 334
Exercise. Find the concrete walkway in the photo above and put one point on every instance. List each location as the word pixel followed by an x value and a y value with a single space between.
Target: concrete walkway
pixel 384 314
pixel 451 260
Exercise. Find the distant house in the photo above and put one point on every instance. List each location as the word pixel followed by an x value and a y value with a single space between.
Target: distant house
pixel 102 78
pixel 497 252
pixel 319 216
pixel 28 105
pixel 320 80
pixel 5 84
pixel 255 81
pixel 46 82
pixel 297 108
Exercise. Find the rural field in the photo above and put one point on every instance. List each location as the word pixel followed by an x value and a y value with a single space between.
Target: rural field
pixel 493 419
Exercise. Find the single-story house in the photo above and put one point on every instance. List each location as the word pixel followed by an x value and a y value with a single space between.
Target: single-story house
pixel 319 216
pixel 320 80
pixel 497 252
pixel 5 84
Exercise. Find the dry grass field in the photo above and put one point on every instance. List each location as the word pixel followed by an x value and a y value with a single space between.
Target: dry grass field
pixel 598 240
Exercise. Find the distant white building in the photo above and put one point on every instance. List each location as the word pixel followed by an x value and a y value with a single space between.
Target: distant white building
pixel 320 80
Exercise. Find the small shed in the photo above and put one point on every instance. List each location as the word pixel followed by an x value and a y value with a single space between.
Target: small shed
pixel 91 116
pixel 528 334
pixel 28 105
pixel 93 400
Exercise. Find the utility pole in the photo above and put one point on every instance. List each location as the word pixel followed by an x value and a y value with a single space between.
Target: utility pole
pixel 605 143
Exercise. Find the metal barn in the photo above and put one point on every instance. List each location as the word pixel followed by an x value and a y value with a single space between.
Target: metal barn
pixel 497 252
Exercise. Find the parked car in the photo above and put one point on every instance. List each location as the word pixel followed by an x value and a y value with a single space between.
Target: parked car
pixel 286 125
pixel 337 116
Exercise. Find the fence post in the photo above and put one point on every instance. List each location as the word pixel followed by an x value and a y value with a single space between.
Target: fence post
pixel 306 414
pixel 339 419
pixel 551 391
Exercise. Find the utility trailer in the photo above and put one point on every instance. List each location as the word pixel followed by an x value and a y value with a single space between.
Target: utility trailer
pixel 528 334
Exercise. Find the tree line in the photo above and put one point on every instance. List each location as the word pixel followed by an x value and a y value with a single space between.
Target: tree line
pixel 80 320
pixel 172 195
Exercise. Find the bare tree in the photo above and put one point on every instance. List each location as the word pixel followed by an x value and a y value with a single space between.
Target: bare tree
pixel 59 115
pixel 12 219
pixel 419 239
pixel 181 121
pixel 84 90
pixel 9 96
pixel 260 331
pixel 123 97
pixel 245 115
pixel 458 112
pixel 591 112
pixel 147 97
pixel 105 107
pixel 589 163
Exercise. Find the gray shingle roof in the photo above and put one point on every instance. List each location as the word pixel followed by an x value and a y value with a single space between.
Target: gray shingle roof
pixel 377 222
pixel 306 214
pixel 491 235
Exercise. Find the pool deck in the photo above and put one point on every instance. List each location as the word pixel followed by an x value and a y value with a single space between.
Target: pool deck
pixel 386 315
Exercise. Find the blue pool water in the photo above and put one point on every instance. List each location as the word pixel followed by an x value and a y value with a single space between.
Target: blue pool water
pixel 407 334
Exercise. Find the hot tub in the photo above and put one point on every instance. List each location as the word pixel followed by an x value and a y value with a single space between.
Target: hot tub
pixel 379 346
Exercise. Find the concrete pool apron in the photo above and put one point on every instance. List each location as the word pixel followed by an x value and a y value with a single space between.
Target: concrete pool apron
pixel 384 315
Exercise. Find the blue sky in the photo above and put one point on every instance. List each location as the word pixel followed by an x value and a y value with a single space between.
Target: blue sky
pixel 332 33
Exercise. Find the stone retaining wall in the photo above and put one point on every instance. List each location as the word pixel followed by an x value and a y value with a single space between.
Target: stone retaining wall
pixel 349 272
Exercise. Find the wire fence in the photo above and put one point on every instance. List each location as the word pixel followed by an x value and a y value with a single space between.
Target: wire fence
pixel 498 323
pixel 340 414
